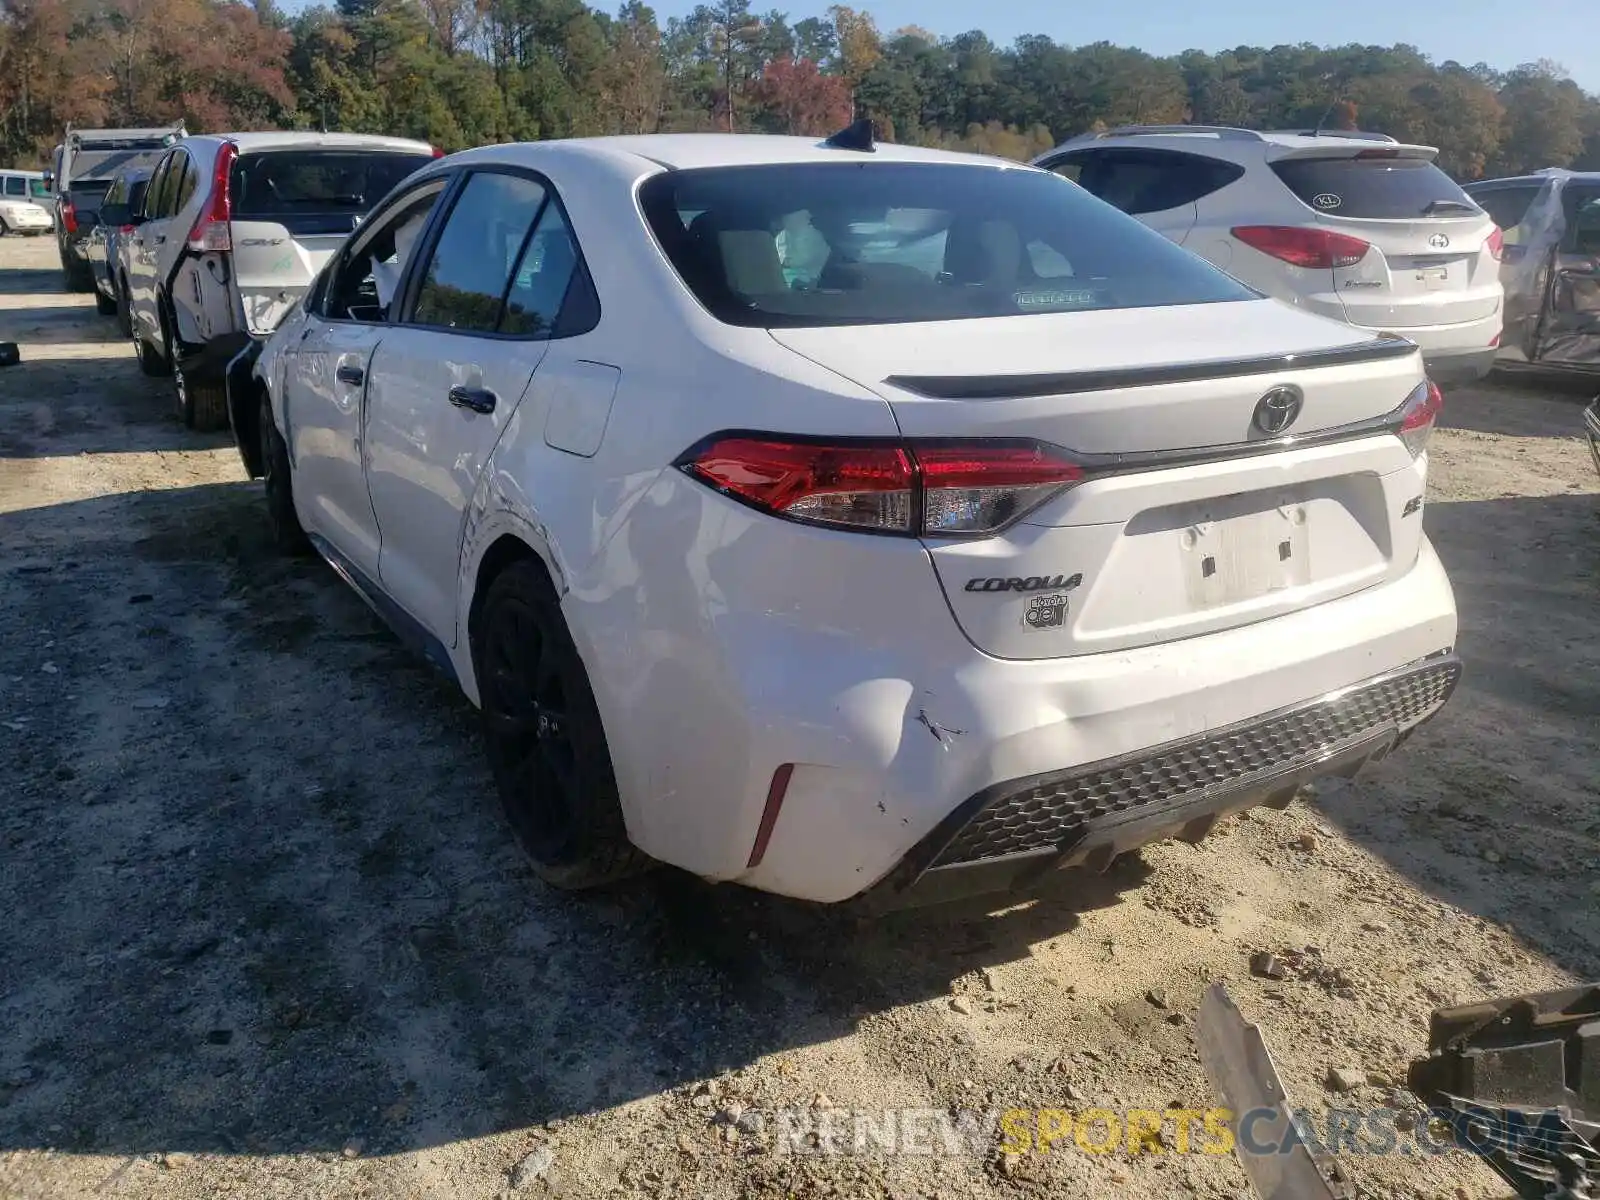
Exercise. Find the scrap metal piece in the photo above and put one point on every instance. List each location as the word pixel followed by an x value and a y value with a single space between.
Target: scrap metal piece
pixel 1518 1080
pixel 1242 1075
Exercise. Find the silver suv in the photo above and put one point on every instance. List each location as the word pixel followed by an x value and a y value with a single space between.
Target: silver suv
pixel 1353 226
pixel 233 228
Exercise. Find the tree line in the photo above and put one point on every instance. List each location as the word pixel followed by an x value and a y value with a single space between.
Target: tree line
pixel 460 73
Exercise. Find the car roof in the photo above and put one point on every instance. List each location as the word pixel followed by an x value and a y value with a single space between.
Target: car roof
pixel 249 142
pixel 686 151
pixel 1233 136
pixel 1537 178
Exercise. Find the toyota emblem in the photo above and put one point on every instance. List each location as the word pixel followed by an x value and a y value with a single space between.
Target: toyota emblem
pixel 1439 241
pixel 1277 410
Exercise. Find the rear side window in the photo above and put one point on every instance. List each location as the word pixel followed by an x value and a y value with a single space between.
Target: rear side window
pixel 858 243
pixel 1376 188
pixel 273 185
pixel 471 265
pixel 1146 181
pixel 16 185
pixel 1506 206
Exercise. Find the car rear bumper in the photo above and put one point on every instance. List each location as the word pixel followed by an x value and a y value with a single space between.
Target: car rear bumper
pixel 935 784
pixel 1012 834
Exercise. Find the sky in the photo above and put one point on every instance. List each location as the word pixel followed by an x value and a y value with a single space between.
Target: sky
pixel 1470 31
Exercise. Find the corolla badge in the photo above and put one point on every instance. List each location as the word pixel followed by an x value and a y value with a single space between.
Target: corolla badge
pixel 1277 410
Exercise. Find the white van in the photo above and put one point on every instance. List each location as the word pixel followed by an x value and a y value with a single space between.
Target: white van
pixel 24 203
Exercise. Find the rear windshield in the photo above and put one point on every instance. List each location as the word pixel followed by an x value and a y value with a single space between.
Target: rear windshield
pixel 874 243
pixel 1375 188
pixel 298 183
pixel 104 164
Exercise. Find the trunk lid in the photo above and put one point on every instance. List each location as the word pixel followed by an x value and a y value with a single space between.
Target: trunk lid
pixel 1183 526
pixel 1429 262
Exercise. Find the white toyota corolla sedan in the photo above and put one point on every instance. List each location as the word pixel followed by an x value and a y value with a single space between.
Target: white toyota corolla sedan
pixel 853 520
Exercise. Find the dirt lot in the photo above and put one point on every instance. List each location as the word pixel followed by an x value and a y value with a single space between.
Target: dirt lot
pixel 266 934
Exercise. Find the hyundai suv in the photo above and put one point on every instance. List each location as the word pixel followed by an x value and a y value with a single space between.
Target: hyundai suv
pixel 232 229
pixel 1353 226
pixel 852 520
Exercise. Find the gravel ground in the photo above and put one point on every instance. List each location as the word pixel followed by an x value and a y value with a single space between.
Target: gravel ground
pixel 267 935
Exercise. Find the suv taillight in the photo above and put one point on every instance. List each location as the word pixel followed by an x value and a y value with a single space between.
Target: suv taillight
pixel 932 488
pixel 1497 244
pixel 1417 415
pixel 69 217
pixel 211 233
pixel 1320 249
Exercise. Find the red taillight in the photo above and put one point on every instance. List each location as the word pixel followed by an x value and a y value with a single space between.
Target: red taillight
pixel 437 152
pixel 1369 154
pixel 125 230
pixel 1320 249
pixel 863 486
pixel 1418 414
pixel 1497 244
pixel 69 217
pixel 210 233
pixel 929 489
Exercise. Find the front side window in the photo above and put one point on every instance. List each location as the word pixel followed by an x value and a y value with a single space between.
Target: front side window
pixel 367 281
pixel 472 263
pixel 870 243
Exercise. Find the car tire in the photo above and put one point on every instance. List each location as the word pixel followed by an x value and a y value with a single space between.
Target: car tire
pixel 124 313
pixel 77 276
pixel 5 230
pixel 288 535
pixel 546 746
pixel 103 304
pixel 203 402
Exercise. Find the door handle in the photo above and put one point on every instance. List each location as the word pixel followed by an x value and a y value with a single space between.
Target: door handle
pixel 479 400
pixel 353 375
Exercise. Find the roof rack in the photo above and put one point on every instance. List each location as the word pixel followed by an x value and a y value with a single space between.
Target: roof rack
pixel 1359 134
pixel 1226 131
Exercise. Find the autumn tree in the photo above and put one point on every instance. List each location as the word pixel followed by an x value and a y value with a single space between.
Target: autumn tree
pixel 802 98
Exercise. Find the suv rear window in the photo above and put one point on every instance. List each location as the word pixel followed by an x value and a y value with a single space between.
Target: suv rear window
pixel 1374 188
pixel 105 164
pixel 272 185
pixel 873 243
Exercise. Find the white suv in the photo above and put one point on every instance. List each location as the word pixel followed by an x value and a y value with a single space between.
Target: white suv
pixel 1353 226
pixel 232 229
pixel 834 519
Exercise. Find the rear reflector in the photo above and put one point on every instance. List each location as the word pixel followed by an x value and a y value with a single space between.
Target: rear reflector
pixel 1418 414
pixel 776 791
pixel 1302 246
pixel 932 489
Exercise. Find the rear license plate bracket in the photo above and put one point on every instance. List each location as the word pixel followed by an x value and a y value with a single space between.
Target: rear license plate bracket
pixel 1244 557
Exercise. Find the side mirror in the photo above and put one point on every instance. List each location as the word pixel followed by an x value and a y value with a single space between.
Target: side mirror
pixel 49 181
pixel 116 214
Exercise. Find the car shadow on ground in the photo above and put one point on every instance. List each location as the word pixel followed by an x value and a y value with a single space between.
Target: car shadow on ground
pixel 261 899
pixel 1525 403
pixel 1495 806
pixel 261 892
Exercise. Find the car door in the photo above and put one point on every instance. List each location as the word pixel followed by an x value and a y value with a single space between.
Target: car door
pixel 142 246
pixel 325 382
pixel 1509 205
pixel 1569 331
pixel 477 320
